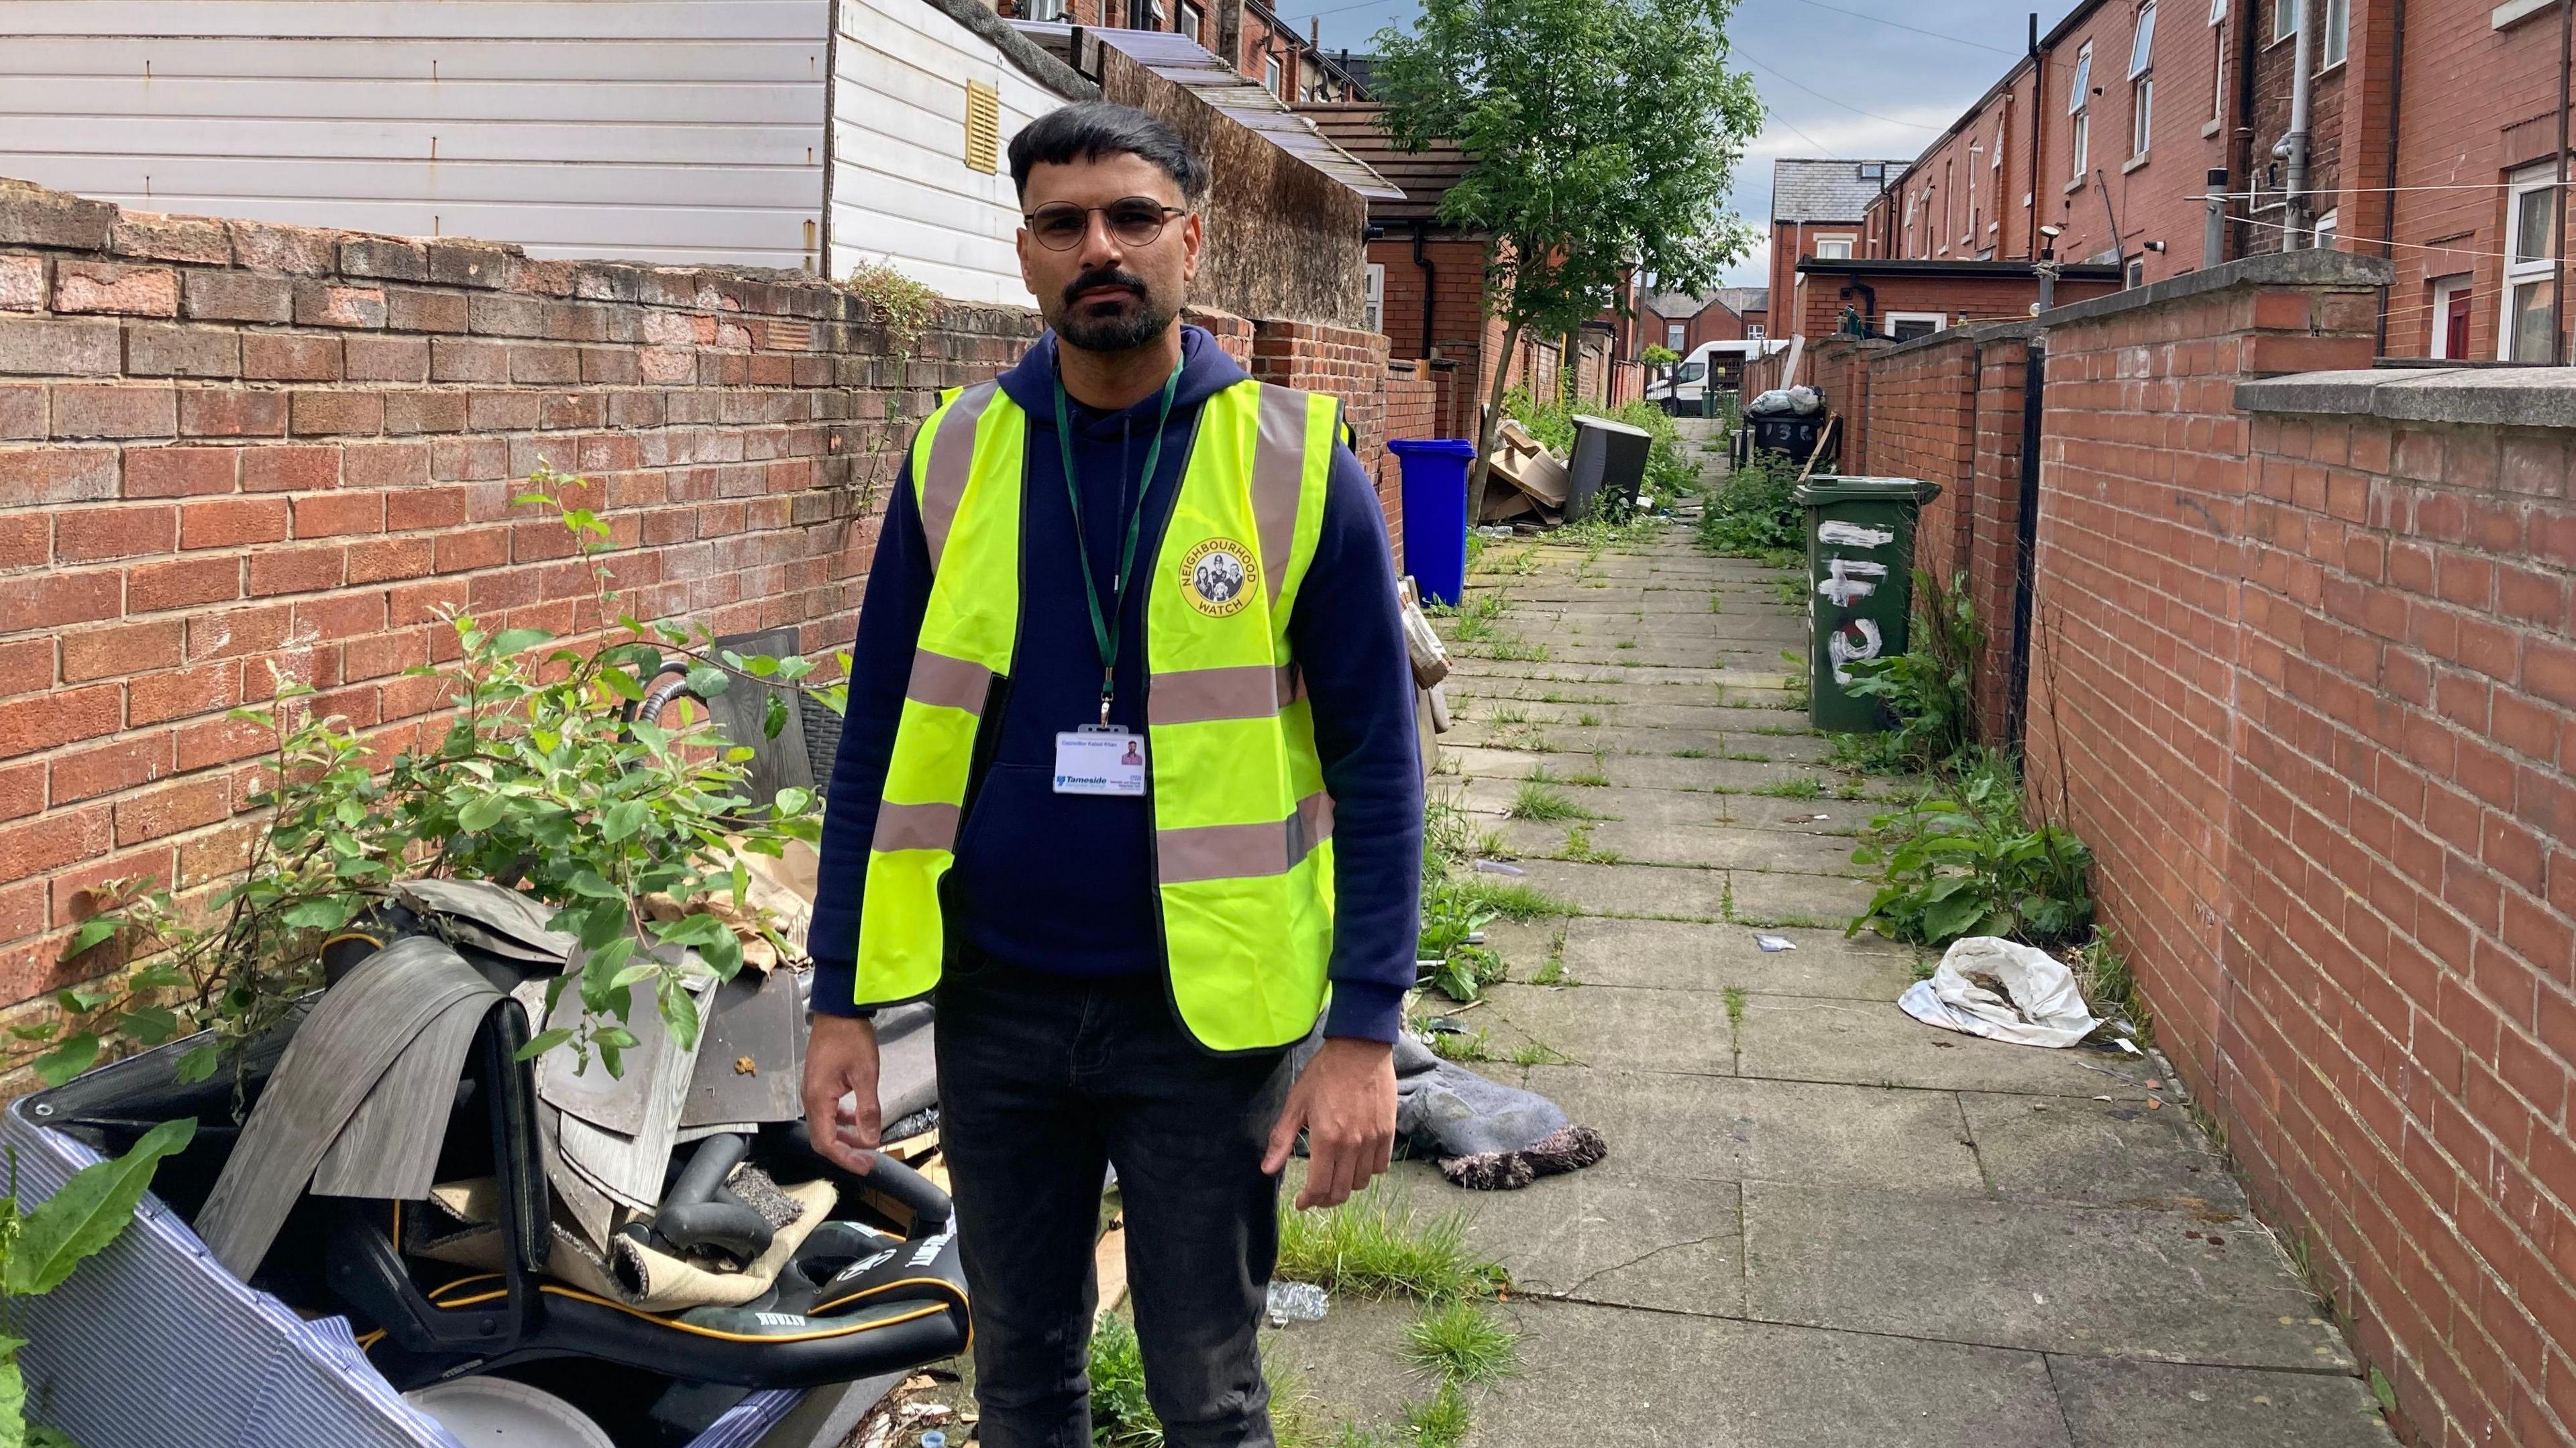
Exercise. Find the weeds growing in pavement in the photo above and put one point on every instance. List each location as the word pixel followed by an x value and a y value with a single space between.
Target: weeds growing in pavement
pixel 1539 1053
pixel 1692 753
pixel 1476 618
pixel 1516 651
pixel 1930 688
pixel 1462 1047
pixel 1458 901
pixel 1375 1245
pixel 1964 860
pixel 1753 515
pixel 1805 786
pixel 1546 803
pixel 1441 1423
pixel 1462 1342
pixel 1509 714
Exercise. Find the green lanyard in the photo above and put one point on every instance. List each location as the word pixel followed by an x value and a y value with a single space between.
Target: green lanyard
pixel 1104 623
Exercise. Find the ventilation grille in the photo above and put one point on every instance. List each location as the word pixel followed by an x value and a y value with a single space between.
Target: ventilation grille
pixel 983 126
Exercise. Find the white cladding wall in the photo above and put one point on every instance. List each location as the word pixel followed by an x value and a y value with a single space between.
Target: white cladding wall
pixel 672 131
pixel 901 188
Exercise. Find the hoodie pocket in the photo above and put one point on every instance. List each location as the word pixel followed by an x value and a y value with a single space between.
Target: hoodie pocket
pixel 1048 880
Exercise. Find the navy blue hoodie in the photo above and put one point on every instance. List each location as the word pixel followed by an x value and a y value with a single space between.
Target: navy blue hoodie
pixel 1063 883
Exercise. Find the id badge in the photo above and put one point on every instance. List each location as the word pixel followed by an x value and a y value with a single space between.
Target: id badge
pixel 1100 759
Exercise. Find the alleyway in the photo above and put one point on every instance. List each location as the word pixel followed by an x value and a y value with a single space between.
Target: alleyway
pixel 1820 1224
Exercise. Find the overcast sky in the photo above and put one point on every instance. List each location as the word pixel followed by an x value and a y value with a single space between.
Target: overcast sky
pixel 1863 79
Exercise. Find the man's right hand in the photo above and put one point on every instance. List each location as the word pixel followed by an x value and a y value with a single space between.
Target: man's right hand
pixel 841 1060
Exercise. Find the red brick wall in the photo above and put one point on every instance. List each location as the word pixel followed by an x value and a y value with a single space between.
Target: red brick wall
pixel 1959 298
pixel 1460 331
pixel 227 448
pixel 2306 687
pixel 1992 503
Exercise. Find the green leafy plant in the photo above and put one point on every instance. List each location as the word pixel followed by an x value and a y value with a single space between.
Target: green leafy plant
pixel 538 783
pixel 39 1249
pixel 1754 514
pixel 904 309
pixel 1120 1415
pixel 1544 802
pixel 1930 688
pixel 1967 862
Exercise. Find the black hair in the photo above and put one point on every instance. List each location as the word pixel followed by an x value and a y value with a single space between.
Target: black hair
pixel 1093 129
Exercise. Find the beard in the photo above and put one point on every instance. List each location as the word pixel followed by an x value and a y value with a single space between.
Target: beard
pixel 1118 324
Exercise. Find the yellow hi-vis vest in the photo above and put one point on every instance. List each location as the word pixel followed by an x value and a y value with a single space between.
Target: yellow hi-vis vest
pixel 1243 848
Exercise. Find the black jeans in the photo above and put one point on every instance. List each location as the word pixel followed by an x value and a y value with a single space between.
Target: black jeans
pixel 1043 1082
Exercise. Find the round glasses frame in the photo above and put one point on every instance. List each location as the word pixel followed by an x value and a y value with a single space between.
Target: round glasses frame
pixel 1141 225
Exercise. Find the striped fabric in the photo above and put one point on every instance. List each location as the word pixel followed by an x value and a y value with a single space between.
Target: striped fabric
pixel 151 1344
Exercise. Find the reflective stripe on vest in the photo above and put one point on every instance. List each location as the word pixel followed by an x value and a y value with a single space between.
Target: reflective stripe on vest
pixel 1242 826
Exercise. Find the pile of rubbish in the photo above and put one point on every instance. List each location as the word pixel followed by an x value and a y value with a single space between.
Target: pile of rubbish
pixel 1786 402
pixel 507 1236
pixel 1524 482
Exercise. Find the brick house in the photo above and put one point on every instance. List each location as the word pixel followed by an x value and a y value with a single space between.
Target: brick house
pixel 1683 320
pixel 1818 209
pixel 1268 51
pixel 2433 134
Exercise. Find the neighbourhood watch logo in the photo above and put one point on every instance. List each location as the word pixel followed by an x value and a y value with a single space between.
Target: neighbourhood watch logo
pixel 1217 577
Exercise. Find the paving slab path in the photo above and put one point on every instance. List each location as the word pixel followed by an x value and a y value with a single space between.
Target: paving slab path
pixel 1821 1223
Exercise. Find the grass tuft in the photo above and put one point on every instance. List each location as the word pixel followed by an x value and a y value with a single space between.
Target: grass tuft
pixel 1805 786
pixel 1376 1246
pixel 1462 1342
pixel 1441 1423
pixel 1544 802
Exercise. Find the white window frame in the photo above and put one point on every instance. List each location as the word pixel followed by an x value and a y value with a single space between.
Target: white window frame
pixel 2327 228
pixel 2285 20
pixel 2217 61
pixel 1193 21
pixel 2142 81
pixel 2336 37
pixel 1373 296
pixel 1675 335
pixel 2521 274
pixel 2079 107
pixel 1940 320
pixel 2446 290
pixel 1844 242
pixel 1052 11
pixel 1273 75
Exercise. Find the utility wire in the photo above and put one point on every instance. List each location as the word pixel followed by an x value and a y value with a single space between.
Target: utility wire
pixel 1829 100
pixel 1918 30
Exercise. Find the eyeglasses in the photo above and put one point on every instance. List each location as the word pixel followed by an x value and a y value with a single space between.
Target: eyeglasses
pixel 1133 220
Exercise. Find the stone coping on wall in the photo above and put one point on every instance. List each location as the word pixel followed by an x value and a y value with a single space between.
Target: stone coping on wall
pixel 2476 396
pixel 2280 268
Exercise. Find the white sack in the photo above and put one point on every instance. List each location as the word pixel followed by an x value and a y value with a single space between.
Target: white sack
pixel 2042 986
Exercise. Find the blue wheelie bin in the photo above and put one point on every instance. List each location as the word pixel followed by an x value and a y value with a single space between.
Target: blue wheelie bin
pixel 1435 513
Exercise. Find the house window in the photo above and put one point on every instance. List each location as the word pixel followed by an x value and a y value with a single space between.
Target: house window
pixel 2285 19
pixel 1946 173
pixel 1833 248
pixel 2531 217
pixel 2142 81
pixel 2338 23
pixel 1052 10
pixel 2327 226
pixel 1192 18
pixel 2135 273
pixel 2079 106
pixel 1153 14
pixel 1271 75
pixel 2450 317
pixel 1373 297
pixel 2217 60
pixel 1675 333
pixel 1904 325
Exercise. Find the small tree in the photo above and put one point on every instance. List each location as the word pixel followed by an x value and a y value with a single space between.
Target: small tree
pixel 1602 137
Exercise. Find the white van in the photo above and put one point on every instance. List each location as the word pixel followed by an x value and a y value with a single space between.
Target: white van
pixel 1681 389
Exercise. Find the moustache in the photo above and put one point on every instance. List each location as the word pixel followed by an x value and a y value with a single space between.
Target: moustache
pixel 1112 278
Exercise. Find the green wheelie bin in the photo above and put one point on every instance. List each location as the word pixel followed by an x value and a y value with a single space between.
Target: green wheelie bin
pixel 1860 582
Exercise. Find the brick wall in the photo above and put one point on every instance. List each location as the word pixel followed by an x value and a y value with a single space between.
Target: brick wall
pixel 2301 676
pixel 2303 682
pixel 1352 365
pixel 228 447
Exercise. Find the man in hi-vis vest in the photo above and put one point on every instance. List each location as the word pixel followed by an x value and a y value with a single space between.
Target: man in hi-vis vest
pixel 1128 785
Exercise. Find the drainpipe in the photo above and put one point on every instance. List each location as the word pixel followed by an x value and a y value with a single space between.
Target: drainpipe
pixel 2294 146
pixel 1430 287
pixel 2558 208
pixel 2213 239
pixel 2397 108
pixel 2038 118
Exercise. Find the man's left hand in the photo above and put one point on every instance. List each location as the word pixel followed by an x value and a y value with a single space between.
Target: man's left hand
pixel 1345 1103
